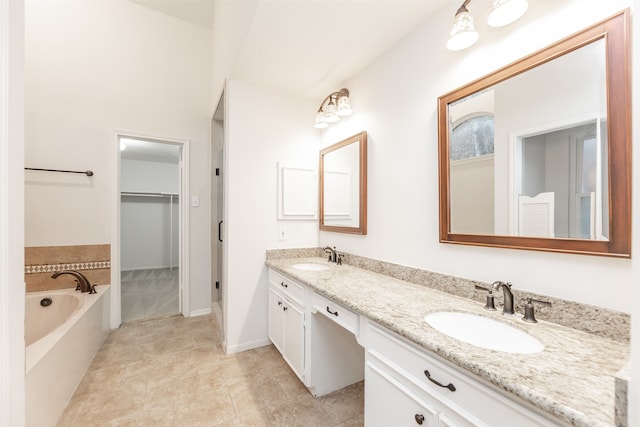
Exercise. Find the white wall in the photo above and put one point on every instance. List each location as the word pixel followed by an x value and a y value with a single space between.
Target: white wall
pixel 231 22
pixel 394 99
pixel 12 288
pixel 149 224
pixel 263 128
pixel 139 176
pixel 94 67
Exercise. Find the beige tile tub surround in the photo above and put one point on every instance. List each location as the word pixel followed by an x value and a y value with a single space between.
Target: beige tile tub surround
pixel 94 261
pixel 610 324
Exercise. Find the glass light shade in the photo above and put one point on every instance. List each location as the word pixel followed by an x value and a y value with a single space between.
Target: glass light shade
pixel 504 12
pixel 330 115
pixel 320 121
pixel 344 106
pixel 463 33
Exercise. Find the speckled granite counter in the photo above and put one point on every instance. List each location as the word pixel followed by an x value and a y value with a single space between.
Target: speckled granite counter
pixel 573 378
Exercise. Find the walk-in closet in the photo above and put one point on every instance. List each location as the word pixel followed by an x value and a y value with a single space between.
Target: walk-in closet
pixel 149 228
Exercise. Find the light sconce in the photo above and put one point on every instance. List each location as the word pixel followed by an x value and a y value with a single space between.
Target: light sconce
pixel 334 106
pixel 503 12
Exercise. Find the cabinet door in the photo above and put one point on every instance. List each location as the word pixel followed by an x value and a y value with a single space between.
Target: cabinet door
pixel 294 337
pixel 388 403
pixel 276 320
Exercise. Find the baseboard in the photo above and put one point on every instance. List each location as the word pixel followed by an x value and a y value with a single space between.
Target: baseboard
pixel 201 312
pixel 237 348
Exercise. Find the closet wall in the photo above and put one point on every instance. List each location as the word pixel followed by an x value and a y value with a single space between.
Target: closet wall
pixel 149 214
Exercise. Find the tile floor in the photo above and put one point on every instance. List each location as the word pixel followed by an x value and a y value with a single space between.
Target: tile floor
pixel 149 294
pixel 172 372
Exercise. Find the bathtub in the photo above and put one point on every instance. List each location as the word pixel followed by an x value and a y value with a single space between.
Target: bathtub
pixel 62 339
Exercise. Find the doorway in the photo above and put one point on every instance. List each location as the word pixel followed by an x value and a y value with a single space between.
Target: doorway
pixel 150 228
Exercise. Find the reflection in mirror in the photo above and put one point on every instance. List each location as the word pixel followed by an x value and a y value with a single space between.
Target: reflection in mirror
pixel 343 186
pixel 555 185
pixel 536 155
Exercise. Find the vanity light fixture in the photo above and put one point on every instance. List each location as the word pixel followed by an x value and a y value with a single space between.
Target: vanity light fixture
pixel 503 12
pixel 463 34
pixel 333 106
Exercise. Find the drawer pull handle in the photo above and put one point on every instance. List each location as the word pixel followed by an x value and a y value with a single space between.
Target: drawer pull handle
pixel 284 285
pixel 335 313
pixel 436 382
pixel 285 308
pixel 279 302
pixel 419 418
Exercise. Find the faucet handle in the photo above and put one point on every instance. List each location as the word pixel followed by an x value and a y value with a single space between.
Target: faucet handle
pixel 529 311
pixel 490 304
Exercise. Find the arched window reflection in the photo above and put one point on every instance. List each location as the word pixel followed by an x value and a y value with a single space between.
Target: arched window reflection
pixel 472 137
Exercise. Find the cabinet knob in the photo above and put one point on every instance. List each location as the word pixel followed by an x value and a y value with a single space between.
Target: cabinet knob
pixel 285 308
pixel 284 285
pixel 419 418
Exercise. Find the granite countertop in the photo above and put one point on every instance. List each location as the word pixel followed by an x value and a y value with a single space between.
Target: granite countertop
pixel 573 378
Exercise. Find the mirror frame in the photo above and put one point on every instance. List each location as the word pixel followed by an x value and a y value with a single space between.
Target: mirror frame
pixel 615 32
pixel 360 138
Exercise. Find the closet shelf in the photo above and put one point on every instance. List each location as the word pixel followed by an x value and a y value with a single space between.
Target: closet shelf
pixel 142 194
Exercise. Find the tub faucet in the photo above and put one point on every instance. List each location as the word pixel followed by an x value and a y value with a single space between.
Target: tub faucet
pixel 333 255
pixel 83 283
pixel 508 295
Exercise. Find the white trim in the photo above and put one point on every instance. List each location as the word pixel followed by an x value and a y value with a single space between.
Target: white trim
pixel 184 287
pixel 515 156
pixel 246 346
pixel 225 215
pixel 12 288
pixel 310 191
pixel 201 312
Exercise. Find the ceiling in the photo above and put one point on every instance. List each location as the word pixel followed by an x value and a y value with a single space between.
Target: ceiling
pixel 199 12
pixel 310 47
pixel 303 47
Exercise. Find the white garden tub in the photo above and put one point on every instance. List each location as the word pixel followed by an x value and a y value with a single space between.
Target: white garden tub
pixel 61 338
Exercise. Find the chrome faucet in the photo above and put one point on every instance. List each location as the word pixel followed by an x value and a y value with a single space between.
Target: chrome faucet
pixel 333 255
pixel 508 295
pixel 83 283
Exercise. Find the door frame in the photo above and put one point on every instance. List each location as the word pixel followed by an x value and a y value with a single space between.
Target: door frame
pixel 183 245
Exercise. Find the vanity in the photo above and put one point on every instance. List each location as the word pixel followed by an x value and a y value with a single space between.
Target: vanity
pixel 337 324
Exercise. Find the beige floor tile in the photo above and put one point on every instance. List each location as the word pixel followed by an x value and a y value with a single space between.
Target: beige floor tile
pixel 341 405
pixel 172 372
pixel 298 413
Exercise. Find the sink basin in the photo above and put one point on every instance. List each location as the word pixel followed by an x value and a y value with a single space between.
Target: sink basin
pixel 310 266
pixel 483 332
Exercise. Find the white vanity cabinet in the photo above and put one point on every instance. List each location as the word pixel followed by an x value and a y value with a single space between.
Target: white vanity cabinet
pixel 329 346
pixel 286 320
pixel 410 387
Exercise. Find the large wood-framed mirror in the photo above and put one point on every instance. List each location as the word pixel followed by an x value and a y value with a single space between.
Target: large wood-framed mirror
pixel 537 155
pixel 343 186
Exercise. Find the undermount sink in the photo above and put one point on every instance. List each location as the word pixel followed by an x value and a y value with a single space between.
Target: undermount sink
pixel 483 332
pixel 310 266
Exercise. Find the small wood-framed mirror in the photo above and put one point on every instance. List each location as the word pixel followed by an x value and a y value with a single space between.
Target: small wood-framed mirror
pixel 343 186
pixel 537 155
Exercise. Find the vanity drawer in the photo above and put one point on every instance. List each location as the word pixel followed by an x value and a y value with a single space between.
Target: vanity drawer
pixel 457 390
pixel 334 311
pixel 288 287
